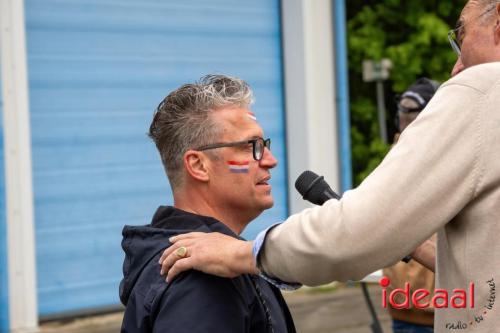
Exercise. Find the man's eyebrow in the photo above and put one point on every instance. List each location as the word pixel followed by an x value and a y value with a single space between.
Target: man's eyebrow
pixel 251 137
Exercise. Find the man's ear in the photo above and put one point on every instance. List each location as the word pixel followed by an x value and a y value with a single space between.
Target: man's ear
pixel 196 164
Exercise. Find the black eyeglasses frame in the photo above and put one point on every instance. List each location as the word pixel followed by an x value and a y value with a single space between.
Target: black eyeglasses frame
pixel 265 143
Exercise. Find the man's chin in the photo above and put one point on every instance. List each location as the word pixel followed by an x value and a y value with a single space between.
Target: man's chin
pixel 268 203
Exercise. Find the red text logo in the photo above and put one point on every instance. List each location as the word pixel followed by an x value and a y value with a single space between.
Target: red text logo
pixel 458 299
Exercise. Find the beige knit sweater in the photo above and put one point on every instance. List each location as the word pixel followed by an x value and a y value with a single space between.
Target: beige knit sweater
pixel 443 176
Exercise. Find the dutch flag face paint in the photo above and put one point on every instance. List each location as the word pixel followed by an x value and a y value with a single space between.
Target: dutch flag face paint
pixel 238 167
pixel 251 116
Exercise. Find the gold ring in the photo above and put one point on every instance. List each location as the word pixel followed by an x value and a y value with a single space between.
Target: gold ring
pixel 181 252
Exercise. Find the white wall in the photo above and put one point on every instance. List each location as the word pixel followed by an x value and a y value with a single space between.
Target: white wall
pixel 310 93
pixel 23 313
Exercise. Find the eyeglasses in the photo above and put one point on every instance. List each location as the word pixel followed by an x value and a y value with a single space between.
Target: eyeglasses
pixel 456 36
pixel 258 145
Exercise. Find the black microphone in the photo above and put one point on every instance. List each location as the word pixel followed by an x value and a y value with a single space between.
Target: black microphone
pixel 314 188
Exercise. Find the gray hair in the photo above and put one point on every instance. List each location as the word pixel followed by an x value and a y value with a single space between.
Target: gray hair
pixel 489 6
pixel 183 121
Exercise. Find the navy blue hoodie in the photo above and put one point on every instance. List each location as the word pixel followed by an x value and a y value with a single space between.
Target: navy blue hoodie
pixel 193 301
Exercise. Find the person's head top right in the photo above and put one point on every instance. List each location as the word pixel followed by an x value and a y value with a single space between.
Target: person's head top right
pixel 477 34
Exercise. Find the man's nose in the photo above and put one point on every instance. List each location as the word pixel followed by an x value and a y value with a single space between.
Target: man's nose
pixel 268 160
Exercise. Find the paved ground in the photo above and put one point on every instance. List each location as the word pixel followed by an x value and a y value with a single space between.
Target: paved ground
pixel 329 309
pixel 340 311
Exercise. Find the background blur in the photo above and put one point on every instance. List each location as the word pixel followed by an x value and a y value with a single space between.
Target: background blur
pixel 80 80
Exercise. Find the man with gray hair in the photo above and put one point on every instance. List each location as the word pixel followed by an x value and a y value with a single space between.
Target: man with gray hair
pixel 218 165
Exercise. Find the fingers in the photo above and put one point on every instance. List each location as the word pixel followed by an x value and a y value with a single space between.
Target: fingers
pixel 169 256
pixel 179 266
pixel 168 262
pixel 168 251
pixel 175 245
pixel 198 244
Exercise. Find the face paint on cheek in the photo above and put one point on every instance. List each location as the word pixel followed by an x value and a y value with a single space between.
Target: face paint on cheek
pixel 238 167
pixel 251 116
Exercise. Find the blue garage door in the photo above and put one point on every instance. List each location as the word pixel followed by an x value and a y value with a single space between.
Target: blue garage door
pixel 97 70
pixel 4 279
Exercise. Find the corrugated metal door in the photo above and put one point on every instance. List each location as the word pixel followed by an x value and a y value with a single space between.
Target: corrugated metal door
pixel 97 70
pixel 4 278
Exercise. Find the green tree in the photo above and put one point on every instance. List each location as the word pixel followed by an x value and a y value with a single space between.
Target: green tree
pixel 413 35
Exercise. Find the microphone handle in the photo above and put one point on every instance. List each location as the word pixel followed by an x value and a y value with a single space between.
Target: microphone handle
pixel 330 194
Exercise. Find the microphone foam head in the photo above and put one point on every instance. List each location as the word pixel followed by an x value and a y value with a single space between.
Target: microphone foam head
pixel 314 188
pixel 303 183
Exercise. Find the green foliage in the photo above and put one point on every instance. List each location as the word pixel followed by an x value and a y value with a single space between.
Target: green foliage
pixel 413 34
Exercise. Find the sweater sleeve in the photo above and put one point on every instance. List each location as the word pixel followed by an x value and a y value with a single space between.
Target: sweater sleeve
pixel 424 181
pixel 197 302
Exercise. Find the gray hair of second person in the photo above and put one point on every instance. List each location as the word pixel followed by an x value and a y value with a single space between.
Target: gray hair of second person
pixel 488 5
pixel 183 121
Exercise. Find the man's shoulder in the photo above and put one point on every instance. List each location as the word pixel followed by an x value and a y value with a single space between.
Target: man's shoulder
pixel 480 77
pixel 199 284
pixel 187 289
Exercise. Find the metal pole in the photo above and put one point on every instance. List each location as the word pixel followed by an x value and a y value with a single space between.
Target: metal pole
pixel 381 111
pixel 375 325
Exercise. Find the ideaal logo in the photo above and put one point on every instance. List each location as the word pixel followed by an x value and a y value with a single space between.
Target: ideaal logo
pixel 441 298
pixel 460 299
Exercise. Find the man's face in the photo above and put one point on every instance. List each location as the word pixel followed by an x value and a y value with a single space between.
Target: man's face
pixel 476 35
pixel 237 180
pixel 406 118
